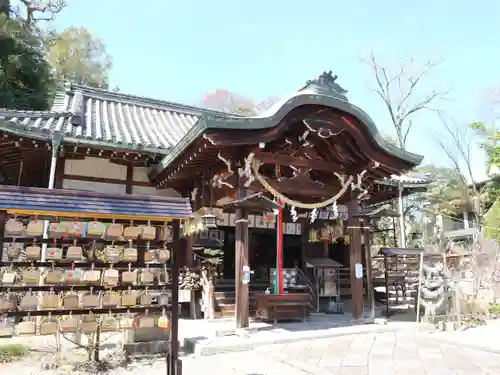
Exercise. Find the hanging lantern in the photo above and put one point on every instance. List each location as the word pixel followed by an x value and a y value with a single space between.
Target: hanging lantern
pixel 200 227
pixel 313 235
pixel 338 229
pixel 325 233
pixel 209 221
pixel 347 239
pixel 192 228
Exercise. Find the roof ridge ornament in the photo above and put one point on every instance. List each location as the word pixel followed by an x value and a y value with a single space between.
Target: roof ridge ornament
pixel 326 84
pixel 77 108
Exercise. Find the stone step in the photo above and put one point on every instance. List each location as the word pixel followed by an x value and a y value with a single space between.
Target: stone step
pixel 229 284
pixel 232 307
pixel 233 289
pixel 228 298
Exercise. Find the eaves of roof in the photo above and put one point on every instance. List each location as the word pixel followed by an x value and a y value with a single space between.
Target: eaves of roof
pixel 406 181
pixel 273 117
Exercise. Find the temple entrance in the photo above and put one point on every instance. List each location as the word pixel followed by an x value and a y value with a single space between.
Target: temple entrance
pixel 292 251
pixel 229 254
pixel 339 252
pixel 262 252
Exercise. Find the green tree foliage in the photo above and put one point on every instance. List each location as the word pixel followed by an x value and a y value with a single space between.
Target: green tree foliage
pixel 492 222
pixel 489 140
pixel 25 80
pixel 78 56
pixel 448 193
pixel 390 139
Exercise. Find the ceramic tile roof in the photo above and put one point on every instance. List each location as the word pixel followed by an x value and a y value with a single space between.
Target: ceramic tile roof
pixel 89 115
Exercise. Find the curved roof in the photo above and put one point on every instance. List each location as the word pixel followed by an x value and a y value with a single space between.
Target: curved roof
pixel 323 91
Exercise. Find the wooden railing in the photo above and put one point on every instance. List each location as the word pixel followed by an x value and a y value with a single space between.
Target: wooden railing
pixel 303 279
pixel 345 281
pixel 345 285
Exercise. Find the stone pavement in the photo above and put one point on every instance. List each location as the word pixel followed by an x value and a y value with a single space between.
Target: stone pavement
pixel 200 338
pixel 484 337
pixel 405 352
pixel 398 353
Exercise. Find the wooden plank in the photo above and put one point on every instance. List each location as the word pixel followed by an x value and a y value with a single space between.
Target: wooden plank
pixel 81 311
pixel 104 180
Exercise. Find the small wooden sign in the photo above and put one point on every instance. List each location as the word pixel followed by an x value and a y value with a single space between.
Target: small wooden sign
pixel 251 221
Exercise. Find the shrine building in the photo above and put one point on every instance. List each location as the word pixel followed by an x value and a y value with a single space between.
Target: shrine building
pixel 314 163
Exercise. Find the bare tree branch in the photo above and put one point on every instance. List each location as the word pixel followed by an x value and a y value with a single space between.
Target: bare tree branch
pixel 36 11
pixel 459 152
pixel 399 93
pixel 461 142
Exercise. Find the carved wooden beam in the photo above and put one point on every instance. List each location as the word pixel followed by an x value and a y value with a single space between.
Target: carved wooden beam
pixel 293 187
pixel 315 164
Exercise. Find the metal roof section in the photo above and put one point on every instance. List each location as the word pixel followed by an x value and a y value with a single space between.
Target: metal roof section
pixel 384 210
pixel 322 263
pixel 256 202
pixel 406 180
pixel 83 204
pixel 98 117
pixel 400 251
pixel 321 91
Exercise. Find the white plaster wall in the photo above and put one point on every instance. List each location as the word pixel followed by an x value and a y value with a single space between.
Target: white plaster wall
pixel 95 167
pixel 98 187
pixel 146 190
pixel 141 174
pixel 103 168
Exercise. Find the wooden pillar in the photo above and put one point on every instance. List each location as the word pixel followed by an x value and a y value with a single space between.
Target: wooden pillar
pixel 188 259
pixel 369 267
pixel 129 187
pixel 60 173
pixel 174 314
pixel 304 243
pixel 242 288
pixel 2 232
pixel 326 253
pixel 355 257
pixel 196 203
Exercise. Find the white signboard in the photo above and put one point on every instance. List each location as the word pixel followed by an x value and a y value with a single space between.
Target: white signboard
pixel 359 270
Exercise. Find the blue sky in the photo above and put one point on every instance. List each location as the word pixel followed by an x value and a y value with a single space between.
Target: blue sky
pixel 179 50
